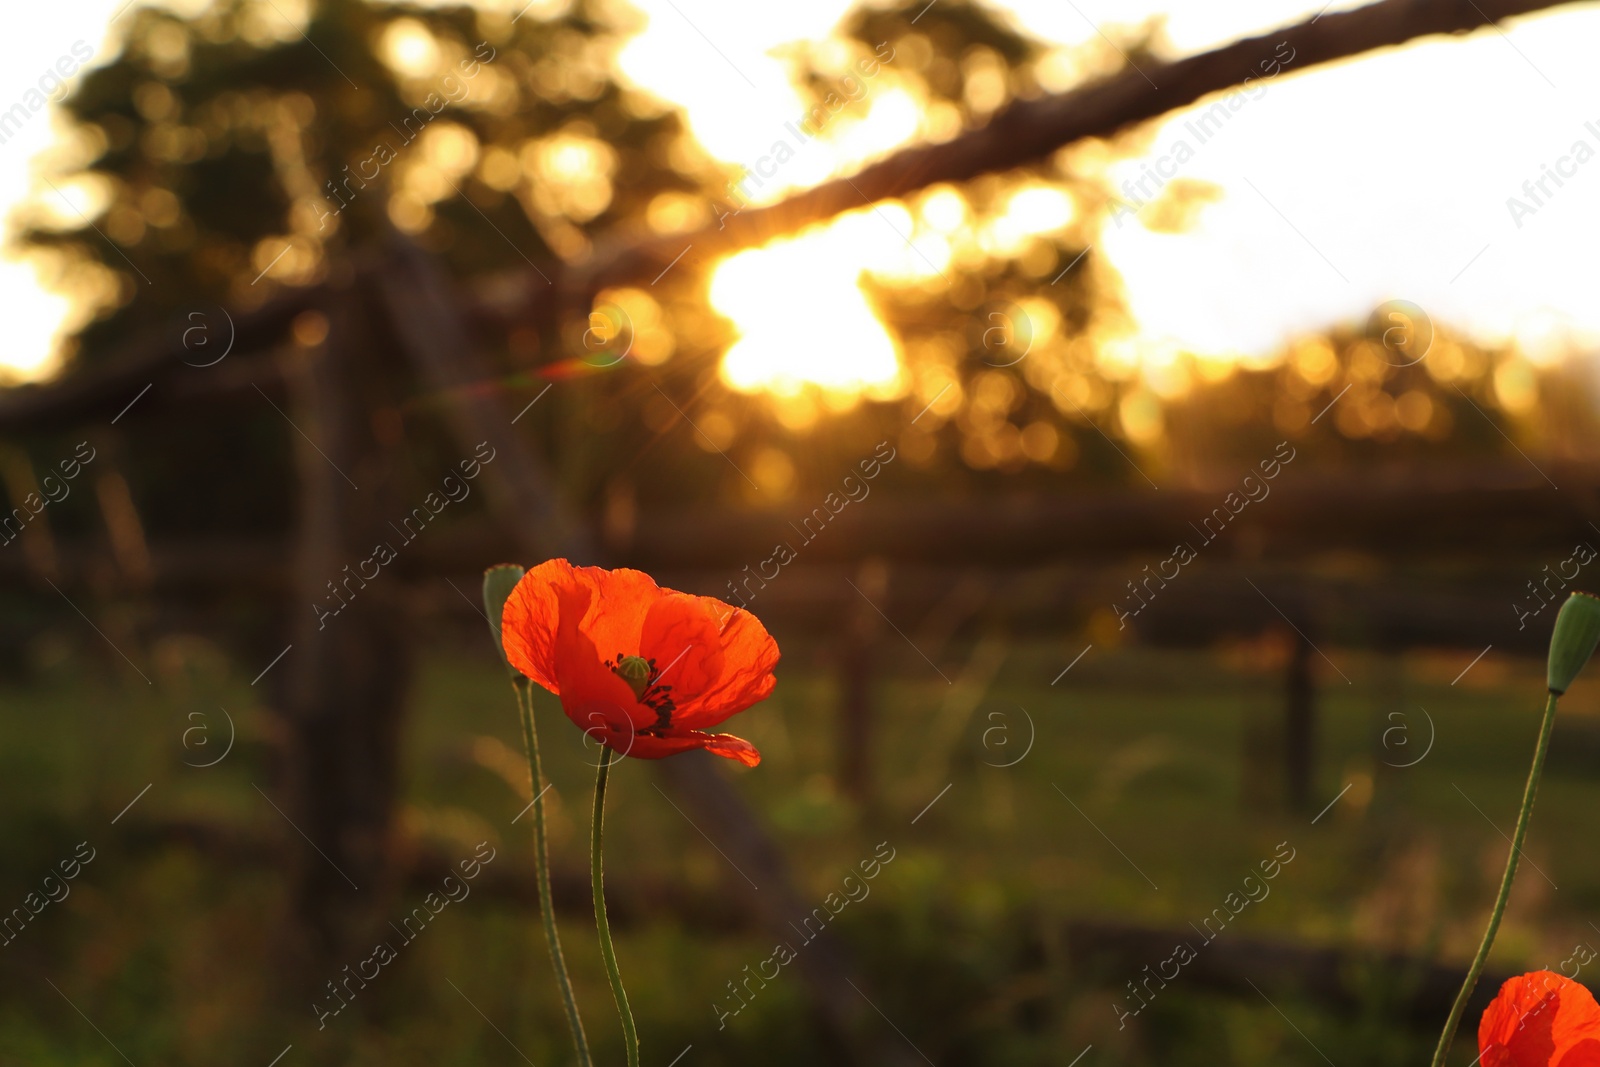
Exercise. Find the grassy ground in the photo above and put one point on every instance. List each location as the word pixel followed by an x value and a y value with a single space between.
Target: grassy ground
pixel 1146 769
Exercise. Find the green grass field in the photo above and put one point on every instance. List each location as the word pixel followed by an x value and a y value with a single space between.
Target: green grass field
pixel 166 948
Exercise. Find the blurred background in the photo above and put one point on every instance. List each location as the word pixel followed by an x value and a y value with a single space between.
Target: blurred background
pixel 1156 438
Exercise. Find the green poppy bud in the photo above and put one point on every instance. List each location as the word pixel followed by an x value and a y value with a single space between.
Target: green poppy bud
pixel 636 672
pixel 1572 642
pixel 498 581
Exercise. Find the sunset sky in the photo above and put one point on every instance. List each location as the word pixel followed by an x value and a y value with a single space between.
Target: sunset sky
pixel 1386 177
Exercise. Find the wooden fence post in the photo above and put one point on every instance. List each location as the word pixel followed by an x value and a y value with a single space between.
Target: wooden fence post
pixel 345 672
pixel 858 655
pixel 1299 724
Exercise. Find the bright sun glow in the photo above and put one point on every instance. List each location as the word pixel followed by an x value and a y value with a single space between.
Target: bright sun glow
pixel 798 306
pixel 803 320
pixel 801 315
pixel 409 49
pixel 1310 231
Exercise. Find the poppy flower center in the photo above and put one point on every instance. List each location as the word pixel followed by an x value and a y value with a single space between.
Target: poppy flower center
pixel 642 677
pixel 636 671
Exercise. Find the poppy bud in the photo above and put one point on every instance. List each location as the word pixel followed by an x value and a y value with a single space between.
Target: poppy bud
pixel 1577 630
pixel 498 581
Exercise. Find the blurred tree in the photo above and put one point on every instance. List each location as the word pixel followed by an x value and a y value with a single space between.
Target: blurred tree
pixel 259 146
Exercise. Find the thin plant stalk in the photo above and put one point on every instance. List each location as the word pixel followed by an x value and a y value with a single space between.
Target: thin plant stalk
pixel 541 854
pixel 607 950
pixel 1460 1006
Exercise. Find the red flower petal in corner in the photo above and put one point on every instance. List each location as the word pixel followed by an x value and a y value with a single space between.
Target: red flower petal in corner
pixel 1541 1019
pixel 644 670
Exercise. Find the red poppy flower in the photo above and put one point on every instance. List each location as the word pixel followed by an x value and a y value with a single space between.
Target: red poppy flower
pixel 642 669
pixel 1541 1019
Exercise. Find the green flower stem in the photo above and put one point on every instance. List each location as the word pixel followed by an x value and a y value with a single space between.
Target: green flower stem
pixel 1460 1006
pixel 541 859
pixel 629 1034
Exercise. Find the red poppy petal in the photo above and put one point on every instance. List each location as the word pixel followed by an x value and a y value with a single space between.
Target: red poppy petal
pixel 622 599
pixel 562 620
pixel 529 619
pixel 681 636
pixel 613 618
pixel 604 722
pixel 1577 1026
pixel 653 746
pixel 1541 1019
pixel 734 748
pixel 592 694
pixel 1585 1053
pixel 1515 1028
pixel 749 654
